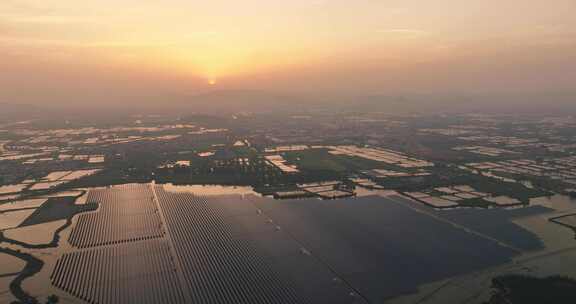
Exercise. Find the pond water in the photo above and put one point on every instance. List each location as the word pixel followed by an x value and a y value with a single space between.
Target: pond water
pixel 559 202
pixel 14 218
pixel 36 234
pixel 10 264
pixel 374 242
pixel 556 257
pixel 14 205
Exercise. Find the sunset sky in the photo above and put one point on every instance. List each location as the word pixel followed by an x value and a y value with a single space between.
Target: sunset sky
pixel 67 50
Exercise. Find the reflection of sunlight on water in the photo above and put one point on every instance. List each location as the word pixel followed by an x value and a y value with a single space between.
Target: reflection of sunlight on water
pixel 554 236
pixel 367 192
pixel 14 218
pixel 12 188
pixel 30 203
pixel 209 189
pixel 557 202
pixel 36 234
pixel 5 295
pixel 9 264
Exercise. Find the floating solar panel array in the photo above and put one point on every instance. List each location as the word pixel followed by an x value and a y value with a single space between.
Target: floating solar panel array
pixel 201 256
pixel 219 265
pixel 141 272
pixel 126 213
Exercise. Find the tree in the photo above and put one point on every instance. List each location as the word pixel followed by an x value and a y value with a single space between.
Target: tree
pixel 53 299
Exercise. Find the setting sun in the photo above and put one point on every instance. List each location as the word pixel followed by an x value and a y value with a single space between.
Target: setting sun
pixel 332 47
pixel 302 151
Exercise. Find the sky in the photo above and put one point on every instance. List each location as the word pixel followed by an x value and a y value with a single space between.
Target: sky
pixel 125 51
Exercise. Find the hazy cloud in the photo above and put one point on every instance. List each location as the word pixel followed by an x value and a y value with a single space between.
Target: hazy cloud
pixel 133 48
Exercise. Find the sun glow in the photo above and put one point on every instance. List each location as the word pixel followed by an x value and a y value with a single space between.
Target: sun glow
pixel 215 62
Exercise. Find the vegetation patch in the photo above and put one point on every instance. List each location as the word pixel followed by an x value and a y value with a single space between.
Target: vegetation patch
pixel 521 289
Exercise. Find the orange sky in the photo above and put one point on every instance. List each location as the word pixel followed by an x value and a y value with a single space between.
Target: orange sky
pixel 61 49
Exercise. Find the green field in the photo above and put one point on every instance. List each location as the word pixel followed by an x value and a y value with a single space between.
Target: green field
pixel 321 160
